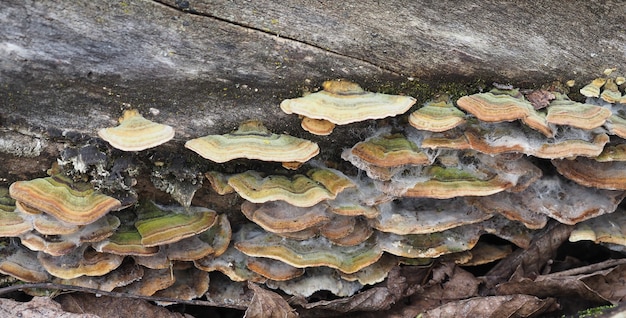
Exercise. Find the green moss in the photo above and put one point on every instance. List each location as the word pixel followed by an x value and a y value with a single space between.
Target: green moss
pixel 594 312
pixel 451 174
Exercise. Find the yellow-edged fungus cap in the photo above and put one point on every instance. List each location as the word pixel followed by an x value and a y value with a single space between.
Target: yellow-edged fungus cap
pixel 343 102
pixel 135 133
pixel 253 141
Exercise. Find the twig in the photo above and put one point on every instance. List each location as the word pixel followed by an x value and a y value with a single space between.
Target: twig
pixel 589 268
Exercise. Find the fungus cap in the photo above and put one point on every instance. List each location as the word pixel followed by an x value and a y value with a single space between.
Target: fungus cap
pixel 253 141
pixel 344 102
pixel 73 203
pixel 135 133
pixel 437 117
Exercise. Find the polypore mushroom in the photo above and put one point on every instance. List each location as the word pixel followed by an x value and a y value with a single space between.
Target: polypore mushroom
pixel 299 191
pixel 213 241
pixel 490 107
pixel 232 264
pixel 553 197
pixel 159 225
pixel 591 173
pixel 317 251
pixel 608 228
pixel 612 153
pixel 342 102
pixel 57 245
pixel 189 283
pixel 81 261
pixel 374 273
pixel 71 202
pixel 437 116
pixel 320 127
pixel 454 175
pixel 505 137
pixel 611 93
pixel 273 269
pixel 383 156
pixel 135 133
pixel 593 89
pixel 281 217
pixel 423 215
pixel 21 263
pixel 584 116
pixel 152 281
pixel 253 141
pixel 125 274
pixel 12 223
pixel 316 279
pixel 352 231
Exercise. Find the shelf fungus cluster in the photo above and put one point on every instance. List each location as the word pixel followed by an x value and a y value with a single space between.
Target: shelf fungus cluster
pixel 66 232
pixel 494 163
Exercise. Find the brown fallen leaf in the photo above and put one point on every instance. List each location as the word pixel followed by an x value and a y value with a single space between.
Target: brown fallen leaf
pixel 401 282
pixel 493 306
pixel 529 262
pixel 268 304
pixel 113 307
pixel 38 307
pixel 596 283
pixel 450 282
pixel 540 98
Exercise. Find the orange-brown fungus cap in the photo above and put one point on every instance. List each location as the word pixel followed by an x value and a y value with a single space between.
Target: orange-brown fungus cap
pixel 74 203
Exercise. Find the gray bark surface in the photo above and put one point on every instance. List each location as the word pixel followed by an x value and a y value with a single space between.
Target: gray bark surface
pixel 69 68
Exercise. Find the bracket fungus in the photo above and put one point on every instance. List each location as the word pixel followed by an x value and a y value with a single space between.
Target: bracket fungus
pixel 593 89
pixel 437 116
pixel 300 191
pixel 584 116
pixel 135 133
pixel 342 102
pixel 421 195
pixel 159 225
pixel 253 141
pixel 82 261
pixel 591 173
pixel 71 202
pixel 383 156
pixel 609 229
pixel 309 253
pixel 424 215
pixel 490 107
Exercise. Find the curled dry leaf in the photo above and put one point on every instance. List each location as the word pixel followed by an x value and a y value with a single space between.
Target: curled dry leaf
pixel 528 262
pixel 540 98
pixel 268 304
pixel 597 285
pixel 38 307
pixel 493 306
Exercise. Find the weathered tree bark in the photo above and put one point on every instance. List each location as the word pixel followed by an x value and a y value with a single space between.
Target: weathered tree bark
pixel 68 69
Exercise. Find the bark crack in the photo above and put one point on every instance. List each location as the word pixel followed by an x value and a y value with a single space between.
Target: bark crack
pixel 185 9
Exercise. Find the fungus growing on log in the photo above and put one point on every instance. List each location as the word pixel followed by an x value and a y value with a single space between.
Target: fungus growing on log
pixel 135 133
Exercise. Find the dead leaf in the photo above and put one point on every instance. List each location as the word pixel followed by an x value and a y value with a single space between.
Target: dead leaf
pixel 450 282
pixel 540 98
pixel 112 307
pixel 268 304
pixel 529 262
pixel 603 285
pixel 493 306
pixel 38 307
